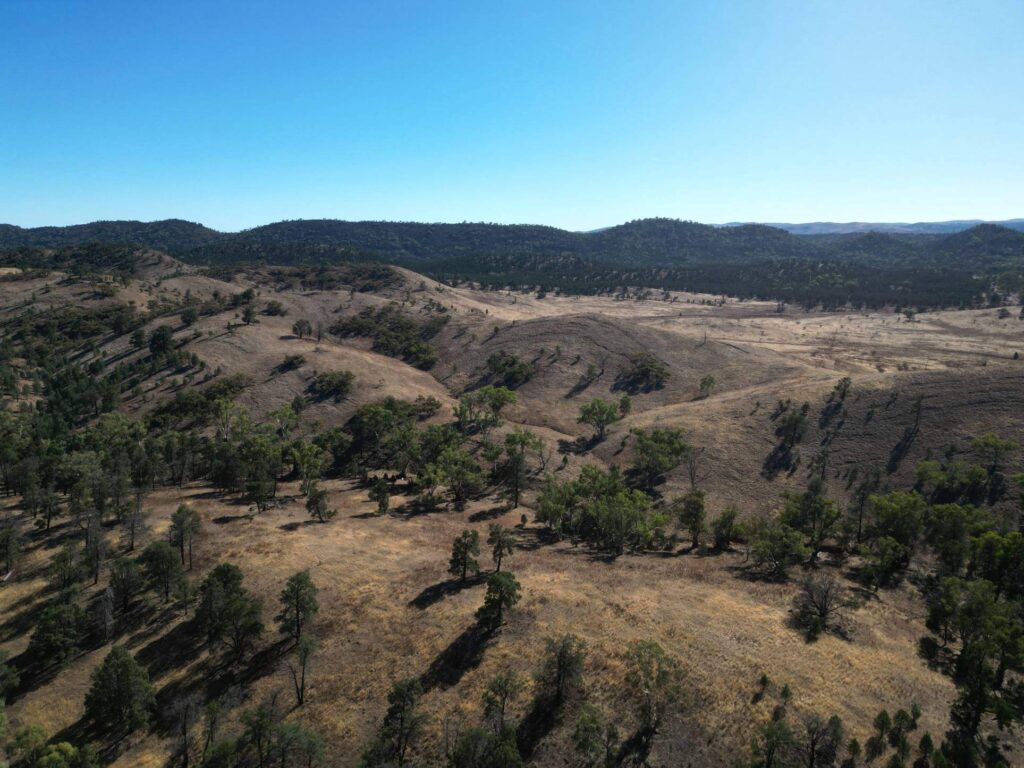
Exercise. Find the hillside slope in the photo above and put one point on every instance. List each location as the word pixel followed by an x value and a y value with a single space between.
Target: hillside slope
pixel 389 609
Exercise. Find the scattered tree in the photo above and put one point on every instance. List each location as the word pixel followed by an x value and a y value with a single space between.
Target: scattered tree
pixel 298 605
pixel 120 696
pixel 465 549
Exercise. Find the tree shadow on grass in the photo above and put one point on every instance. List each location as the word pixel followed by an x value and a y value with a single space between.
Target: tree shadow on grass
pixel 20 622
pixel 636 749
pixel 297 524
pixel 172 650
pixel 463 654
pixel 535 538
pixel 488 514
pixel 579 445
pixel 435 593
pixel 417 507
pixel 225 519
pixel 544 716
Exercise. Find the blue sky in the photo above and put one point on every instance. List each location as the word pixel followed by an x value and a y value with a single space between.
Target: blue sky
pixel 578 115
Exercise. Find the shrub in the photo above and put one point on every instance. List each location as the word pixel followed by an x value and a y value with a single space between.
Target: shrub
pixel 642 373
pixel 336 384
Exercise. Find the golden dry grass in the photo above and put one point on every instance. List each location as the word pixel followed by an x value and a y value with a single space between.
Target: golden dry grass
pixel 726 629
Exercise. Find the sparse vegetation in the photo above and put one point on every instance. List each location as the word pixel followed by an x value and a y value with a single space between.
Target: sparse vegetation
pixel 141 482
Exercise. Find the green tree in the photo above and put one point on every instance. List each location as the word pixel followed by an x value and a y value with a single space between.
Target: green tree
pixel 994 449
pixel 692 515
pixel 776 547
pixel 502 543
pixel 723 529
pixel 380 493
pixel 27 745
pixel 227 613
pixel 465 549
pixel 517 443
pixel 59 633
pixel 561 671
pixel 302 328
pixel 600 415
pixel 126 581
pixel 503 592
pixel 305 648
pixel 162 567
pixel 66 755
pixel 402 726
pixel 120 696
pixel 654 677
pixel 260 727
pixel 316 504
pixel 160 340
pixel 461 474
pixel 309 461
pixel 595 739
pixel 9 678
pixel 480 410
pixel 501 692
pixel 706 385
pixel 185 527
pixel 658 452
pixel 336 384
pixel 65 568
pixel 298 605
pixel 813 515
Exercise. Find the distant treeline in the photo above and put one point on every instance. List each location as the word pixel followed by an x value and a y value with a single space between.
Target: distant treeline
pixel 983 264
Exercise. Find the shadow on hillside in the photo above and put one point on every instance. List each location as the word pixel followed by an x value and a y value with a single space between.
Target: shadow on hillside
pixel 580 445
pixel 463 654
pixel 19 622
pixel 489 514
pixel 535 538
pixel 594 555
pixel 415 508
pixel 297 524
pixel 170 651
pixel 225 519
pixel 542 718
pixel 751 572
pixel 435 593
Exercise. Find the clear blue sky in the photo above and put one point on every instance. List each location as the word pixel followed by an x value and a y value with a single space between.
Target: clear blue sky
pixel 579 115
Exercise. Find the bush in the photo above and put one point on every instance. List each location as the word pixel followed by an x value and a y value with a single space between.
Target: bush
pixel 508 370
pixel 777 547
pixel 291 362
pixel 643 373
pixel 723 529
pixel 336 384
pixel 819 606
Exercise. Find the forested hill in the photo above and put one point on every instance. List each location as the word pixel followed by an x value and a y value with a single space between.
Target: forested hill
pixel 646 242
pixel 171 235
pixel 980 264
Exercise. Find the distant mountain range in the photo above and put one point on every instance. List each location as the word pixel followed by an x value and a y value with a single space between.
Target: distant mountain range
pixel 824 266
pixel 920 228
pixel 643 242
